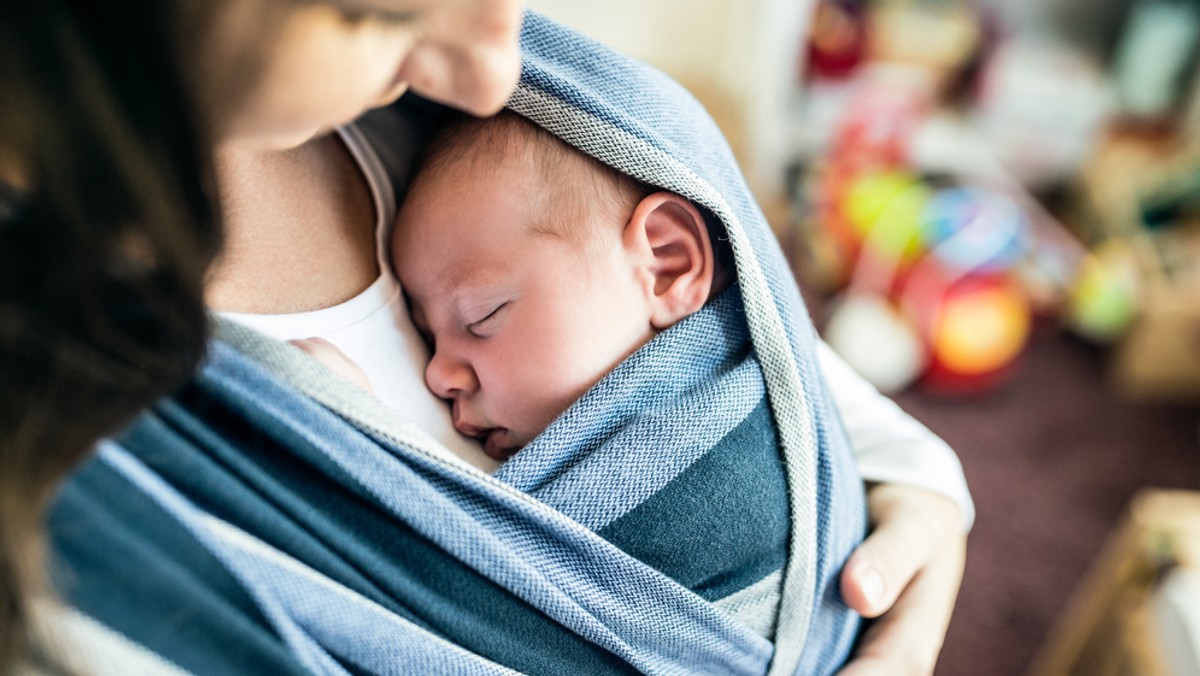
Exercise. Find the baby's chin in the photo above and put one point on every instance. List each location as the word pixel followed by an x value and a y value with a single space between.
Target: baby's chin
pixel 500 444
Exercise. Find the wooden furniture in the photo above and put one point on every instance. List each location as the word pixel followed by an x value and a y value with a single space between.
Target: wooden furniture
pixel 1113 624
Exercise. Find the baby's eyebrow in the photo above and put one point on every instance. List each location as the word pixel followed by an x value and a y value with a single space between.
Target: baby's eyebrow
pixel 468 278
pixel 474 286
pixel 473 304
pixel 454 303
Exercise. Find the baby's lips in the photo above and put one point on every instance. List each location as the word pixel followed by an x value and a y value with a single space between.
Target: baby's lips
pixel 468 430
pixel 492 438
pixel 465 428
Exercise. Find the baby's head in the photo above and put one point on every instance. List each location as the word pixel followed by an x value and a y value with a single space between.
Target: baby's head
pixel 533 270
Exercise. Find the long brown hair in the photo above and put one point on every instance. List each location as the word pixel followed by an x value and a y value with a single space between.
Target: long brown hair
pixel 106 229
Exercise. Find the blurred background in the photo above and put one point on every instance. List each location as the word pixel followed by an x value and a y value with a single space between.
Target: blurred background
pixel 993 208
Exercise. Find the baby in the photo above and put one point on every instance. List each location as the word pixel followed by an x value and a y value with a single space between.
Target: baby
pixel 533 270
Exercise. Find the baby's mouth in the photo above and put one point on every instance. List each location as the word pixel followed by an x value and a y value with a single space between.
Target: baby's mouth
pixel 494 446
pixel 497 441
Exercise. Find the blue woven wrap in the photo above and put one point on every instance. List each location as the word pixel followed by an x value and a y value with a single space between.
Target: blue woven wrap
pixel 673 449
pixel 689 515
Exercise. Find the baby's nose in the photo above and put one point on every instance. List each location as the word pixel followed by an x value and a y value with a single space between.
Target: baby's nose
pixel 448 376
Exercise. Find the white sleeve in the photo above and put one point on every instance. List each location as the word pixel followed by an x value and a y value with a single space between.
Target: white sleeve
pixel 890 445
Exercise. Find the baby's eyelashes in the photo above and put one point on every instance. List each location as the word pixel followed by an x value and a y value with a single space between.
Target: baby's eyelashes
pixel 486 326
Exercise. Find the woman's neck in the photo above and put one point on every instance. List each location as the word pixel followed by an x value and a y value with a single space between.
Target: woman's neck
pixel 299 229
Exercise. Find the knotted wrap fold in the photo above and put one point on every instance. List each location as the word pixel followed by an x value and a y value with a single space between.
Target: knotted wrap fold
pixel 272 518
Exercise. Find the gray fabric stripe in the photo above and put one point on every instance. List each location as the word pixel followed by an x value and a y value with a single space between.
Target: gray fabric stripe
pixel 789 402
pixel 619 603
pixel 350 401
pixel 691 438
pixel 78 644
pixel 755 606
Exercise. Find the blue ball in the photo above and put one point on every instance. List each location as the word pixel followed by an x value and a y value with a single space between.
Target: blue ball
pixel 972 229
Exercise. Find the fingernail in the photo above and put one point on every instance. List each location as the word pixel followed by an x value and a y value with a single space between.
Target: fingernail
pixel 872 587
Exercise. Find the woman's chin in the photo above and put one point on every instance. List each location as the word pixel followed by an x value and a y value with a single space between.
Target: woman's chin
pixel 287 142
pixel 278 141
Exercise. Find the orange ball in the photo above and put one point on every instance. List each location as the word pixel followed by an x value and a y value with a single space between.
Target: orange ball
pixel 976 333
pixel 982 329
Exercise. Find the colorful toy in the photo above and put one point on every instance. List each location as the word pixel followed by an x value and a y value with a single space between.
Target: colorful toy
pixel 931 296
pixel 895 198
pixel 1107 292
pixel 977 332
pixel 878 341
pixel 974 229
pixel 932 293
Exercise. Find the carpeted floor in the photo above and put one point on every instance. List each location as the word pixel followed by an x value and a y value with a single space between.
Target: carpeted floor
pixel 1052 460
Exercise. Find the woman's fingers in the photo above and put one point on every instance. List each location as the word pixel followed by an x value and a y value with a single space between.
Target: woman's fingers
pixel 907 573
pixel 908 526
pixel 908 637
pixel 882 567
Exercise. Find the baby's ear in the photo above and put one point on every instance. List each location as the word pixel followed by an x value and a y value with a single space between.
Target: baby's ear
pixel 669 240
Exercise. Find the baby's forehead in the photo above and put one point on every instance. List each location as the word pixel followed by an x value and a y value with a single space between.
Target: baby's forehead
pixel 562 189
pixel 505 142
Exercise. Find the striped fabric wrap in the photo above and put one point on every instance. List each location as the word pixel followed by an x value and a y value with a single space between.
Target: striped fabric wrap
pixel 689 515
pixel 673 458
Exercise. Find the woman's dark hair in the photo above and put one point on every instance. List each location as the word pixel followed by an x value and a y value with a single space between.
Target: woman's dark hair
pixel 106 230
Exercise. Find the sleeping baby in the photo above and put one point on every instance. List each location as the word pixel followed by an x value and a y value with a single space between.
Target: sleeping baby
pixel 567 307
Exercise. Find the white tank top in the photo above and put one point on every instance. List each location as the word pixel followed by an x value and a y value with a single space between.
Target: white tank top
pixel 374 329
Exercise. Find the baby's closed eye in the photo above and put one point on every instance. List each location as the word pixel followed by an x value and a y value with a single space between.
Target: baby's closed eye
pixel 487 325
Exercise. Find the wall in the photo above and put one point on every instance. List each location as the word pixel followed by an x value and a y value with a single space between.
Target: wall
pixel 739 57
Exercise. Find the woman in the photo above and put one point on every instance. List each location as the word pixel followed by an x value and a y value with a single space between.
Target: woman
pixel 107 220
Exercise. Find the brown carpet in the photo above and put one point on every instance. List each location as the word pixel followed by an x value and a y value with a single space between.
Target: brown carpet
pixel 1052 459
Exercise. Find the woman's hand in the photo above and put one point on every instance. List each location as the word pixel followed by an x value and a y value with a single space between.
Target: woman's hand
pixel 906 573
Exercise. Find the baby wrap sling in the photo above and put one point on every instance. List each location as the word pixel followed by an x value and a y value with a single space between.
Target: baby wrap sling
pixel 271 518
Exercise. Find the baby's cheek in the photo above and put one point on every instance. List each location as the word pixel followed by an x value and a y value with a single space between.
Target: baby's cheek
pixel 545 388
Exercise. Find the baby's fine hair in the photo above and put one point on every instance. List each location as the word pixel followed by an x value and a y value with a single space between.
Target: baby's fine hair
pixel 569 184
